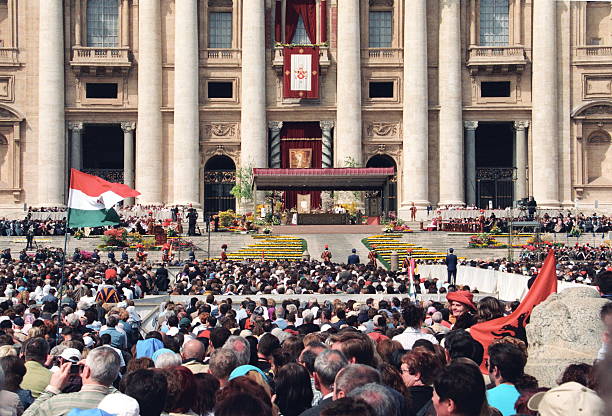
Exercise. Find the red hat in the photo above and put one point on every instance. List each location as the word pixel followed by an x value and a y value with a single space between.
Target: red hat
pixel 462 296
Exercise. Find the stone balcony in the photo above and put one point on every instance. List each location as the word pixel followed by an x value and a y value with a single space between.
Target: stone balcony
pixel 382 57
pixel 278 62
pixel 592 55
pixel 100 60
pixel 221 57
pixel 9 57
pixel 496 59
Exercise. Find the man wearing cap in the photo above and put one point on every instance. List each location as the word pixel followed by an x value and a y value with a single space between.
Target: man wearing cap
pixel 461 304
pixel 451 266
pixel 98 373
pixel 353 258
pixel 72 356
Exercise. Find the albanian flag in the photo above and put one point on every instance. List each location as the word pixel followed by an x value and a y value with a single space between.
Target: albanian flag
pixel 514 324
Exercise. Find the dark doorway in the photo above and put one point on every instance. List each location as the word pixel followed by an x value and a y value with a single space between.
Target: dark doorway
pixel 219 179
pixel 376 203
pixel 103 151
pixel 494 165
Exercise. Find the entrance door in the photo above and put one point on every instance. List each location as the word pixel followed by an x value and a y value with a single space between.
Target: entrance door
pixel 494 187
pixel 219 179
pixel 383 161
pixel 103 151
pixel 373 204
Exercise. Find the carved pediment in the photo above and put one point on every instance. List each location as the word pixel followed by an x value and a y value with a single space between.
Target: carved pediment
pixel 381 3
pixel 386 130
pixel 219 3
pixel 597 110
pixel 221 131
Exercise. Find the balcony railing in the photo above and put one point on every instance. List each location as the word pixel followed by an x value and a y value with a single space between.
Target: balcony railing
pixel 101 57
pixel 9 57
pixel 501 56
pixel 221 57
pixel 383 56
pixel 593 54
pixel 278 61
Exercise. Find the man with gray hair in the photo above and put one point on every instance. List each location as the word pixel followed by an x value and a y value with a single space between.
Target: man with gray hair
pixel 222 362
pixel 241 347
pixel 98 373
pixel 327 365
pixel 308 326
pixel 379 398
pixel 168 360
pixel 353 376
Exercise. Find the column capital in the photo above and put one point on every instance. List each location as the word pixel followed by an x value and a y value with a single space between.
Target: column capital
pixel 75 126
pixel 470 125
pixel 275 125
pixel 128 126
pixel 327 124
pixel 521 124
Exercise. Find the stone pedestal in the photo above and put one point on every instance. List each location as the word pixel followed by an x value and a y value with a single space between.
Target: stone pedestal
pixel 450 117
pixel 348 118
pixel 51 119
pixel 149 159
pixel 186 112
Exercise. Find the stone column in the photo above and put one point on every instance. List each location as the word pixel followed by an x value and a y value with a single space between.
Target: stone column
pixel 450 117
pixel 327 144
pixel 51 121
pixel 275 143
pixel 520 150
pixel 545 130
pixel 470 161
pixel 125 23
pixel 415 170
pixel 128 156
pixel 76 145
pixel 77 23
pixel 254 132
pixel 149 159
pixel 186 121
pixel 348 118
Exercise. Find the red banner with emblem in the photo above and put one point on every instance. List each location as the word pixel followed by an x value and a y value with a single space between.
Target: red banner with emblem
pixel 301 72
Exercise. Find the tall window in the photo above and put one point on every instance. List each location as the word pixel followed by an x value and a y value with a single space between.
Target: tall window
pixel 380 29
pixel 220 30
pixel 103 23
pixel 300 37
pixel 494 22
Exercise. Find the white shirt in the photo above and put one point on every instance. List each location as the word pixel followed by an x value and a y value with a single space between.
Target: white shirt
pixel 411 335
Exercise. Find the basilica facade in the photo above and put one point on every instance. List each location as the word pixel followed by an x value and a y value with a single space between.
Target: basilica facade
pixel 473 102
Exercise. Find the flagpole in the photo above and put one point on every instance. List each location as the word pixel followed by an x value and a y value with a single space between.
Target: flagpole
pixel 63 267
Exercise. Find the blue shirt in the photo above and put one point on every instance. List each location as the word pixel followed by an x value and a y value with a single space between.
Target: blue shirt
pixel 503 398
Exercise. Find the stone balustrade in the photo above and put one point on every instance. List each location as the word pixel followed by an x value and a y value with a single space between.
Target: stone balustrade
pixel 382 56
pixel 9 57
pixel 489 56
pixel 222 57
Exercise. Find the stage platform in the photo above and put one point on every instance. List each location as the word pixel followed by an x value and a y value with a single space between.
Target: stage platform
pixel 326 229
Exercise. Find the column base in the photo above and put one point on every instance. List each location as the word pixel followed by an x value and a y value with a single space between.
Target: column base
pixel 48 205
pixel 421 214
pixel 550 204
pixel 196 205
pixel 454 203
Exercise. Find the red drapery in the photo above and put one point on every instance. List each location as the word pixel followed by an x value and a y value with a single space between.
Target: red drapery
pixel 308 10
pixel 278 21
pixel 323 21
pixel 301 131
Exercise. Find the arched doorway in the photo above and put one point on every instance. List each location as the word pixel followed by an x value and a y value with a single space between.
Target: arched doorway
pixel 219 179
pixel 375 203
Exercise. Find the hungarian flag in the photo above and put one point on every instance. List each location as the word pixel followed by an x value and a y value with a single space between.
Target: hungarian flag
pixel 514 324
pixel 91 200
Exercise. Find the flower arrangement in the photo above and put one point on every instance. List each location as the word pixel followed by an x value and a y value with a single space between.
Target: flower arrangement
pixel 266 230
pixel 171 233
pixel 78 234
pixel 397 227
pixel 115 237
pixel 226 218
pixel 485 240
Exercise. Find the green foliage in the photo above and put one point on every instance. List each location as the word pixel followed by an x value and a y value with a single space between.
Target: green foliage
pixel 243 190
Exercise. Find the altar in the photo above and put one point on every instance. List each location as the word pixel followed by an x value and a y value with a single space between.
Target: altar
pixel 323 219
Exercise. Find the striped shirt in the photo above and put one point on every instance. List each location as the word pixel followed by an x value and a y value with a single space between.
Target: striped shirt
pixel 53 403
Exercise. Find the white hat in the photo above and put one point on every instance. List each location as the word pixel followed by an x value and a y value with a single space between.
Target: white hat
pixel 120 405
pixel 567 399
pixel 88 341
pixel 71 354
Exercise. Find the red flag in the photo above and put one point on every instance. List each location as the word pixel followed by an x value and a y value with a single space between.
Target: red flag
pixel 514 324
pixel 301 72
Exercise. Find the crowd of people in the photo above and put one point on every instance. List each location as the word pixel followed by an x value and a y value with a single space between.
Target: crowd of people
pixel 210 357
pixel 82 345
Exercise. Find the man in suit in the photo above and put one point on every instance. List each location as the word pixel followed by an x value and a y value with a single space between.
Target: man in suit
pixel 192 217
pixel 327 365
pixel 451 266
pixel 353 258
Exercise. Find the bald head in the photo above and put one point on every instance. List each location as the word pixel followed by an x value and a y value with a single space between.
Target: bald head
pixel 193 350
